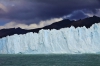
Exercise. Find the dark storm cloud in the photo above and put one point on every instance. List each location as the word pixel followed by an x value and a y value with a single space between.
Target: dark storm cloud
pixel 33 11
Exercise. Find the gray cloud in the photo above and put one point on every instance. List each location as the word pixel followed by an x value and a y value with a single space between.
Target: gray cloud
pixel 33 11
pixel 76 15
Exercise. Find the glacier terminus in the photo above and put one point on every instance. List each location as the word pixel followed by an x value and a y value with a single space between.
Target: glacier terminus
pixel 64 41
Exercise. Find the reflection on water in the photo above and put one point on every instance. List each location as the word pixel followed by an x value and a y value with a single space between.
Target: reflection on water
pixel 50 60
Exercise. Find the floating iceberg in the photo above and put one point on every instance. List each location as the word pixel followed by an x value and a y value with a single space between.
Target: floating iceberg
pixel 64 41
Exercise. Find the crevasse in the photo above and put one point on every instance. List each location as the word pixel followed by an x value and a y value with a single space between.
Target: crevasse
pixel 66 40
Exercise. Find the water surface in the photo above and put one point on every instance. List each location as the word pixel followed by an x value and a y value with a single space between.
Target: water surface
pixel 50 60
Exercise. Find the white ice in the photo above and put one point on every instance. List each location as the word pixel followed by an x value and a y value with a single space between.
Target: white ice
pixel 64 41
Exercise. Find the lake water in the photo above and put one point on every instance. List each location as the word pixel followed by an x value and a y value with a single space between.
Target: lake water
pixel 50 60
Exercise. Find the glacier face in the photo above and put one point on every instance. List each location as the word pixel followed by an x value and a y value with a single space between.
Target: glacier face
pixel 66 40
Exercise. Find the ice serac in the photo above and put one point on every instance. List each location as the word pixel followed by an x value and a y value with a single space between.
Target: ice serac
pixel 66 40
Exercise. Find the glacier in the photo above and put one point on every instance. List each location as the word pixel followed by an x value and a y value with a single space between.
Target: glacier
pixel 64 41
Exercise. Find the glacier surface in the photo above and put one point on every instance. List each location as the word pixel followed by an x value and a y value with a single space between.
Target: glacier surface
pixel 66 40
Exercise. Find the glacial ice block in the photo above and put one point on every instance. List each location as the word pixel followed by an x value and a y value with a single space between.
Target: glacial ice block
pixel 66 40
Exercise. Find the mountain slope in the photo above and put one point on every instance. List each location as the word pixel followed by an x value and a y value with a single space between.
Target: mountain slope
pixel 57 25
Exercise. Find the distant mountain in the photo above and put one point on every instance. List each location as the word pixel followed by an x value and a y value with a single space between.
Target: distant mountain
pixel 57 25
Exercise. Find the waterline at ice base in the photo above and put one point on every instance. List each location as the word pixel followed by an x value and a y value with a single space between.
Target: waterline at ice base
pixel 64 41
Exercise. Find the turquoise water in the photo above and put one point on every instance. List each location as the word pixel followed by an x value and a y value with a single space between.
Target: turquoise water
pixel 50 60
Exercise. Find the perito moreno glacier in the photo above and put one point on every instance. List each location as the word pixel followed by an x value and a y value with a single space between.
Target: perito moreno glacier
pixel 64 41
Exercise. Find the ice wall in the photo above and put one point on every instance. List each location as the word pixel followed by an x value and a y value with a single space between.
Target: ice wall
pixel 66 40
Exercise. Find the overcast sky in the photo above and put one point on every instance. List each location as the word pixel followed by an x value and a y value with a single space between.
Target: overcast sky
pixel 32 14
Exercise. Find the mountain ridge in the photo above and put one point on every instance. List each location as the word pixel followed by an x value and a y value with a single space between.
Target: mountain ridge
pixel 87 22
